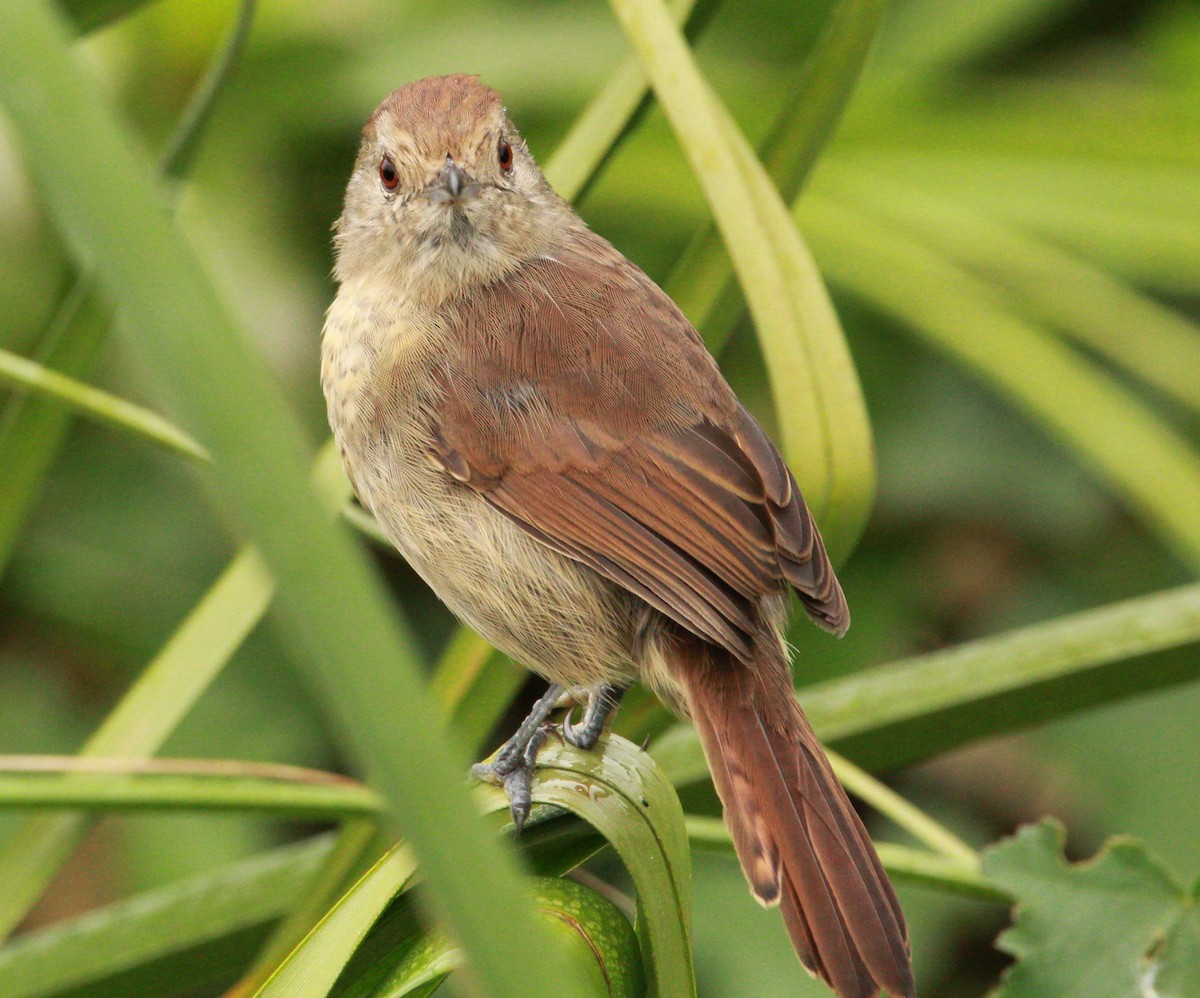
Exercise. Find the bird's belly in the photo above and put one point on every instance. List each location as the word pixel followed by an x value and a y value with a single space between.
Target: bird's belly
pixel 549 613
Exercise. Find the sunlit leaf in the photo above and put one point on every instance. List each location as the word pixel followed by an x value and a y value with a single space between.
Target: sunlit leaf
pixel 313 967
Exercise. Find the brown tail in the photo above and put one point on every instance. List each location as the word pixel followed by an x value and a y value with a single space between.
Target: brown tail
pixel 800 843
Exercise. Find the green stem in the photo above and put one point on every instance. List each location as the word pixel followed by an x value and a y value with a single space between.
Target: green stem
pixel 909 817
pixel 192 784
pixel 901 862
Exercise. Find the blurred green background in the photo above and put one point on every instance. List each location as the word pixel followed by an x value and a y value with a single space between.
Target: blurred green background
pixel 1076 122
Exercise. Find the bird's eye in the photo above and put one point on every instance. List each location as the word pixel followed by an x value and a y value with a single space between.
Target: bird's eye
pixel 388 175
pixel 505 155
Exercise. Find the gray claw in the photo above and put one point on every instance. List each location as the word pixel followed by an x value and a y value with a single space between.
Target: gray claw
pixel 518 785
pixel 570 732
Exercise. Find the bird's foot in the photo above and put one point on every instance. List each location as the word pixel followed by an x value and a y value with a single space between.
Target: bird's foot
pixel 512 769
pixel 513 766
pixel 600 706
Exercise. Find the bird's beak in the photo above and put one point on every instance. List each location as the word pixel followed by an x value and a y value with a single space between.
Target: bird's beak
pixel 452 186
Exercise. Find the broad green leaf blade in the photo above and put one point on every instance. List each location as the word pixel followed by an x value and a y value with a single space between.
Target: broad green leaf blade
pixel 313 967
pixel 1107 927
pixel 618 790
pixel 359 659
pixel 819 404
pixel 99 405
pixel 194 784
pixel 1131 449
pixel 157 924
pixel 910 709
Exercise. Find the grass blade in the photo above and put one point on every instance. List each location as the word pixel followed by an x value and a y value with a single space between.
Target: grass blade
pixel 311 969
pixel 1133 451
pixel 912 708
pixel 356 652
pixel 819 403
pixel 172 784
pixel 1054 288
pixel 161 923
pixel 99 405
pixel 31 431
pixel 597 132
pixel 141 722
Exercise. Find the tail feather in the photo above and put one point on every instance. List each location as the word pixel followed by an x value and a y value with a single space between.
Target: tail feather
pixel 799 840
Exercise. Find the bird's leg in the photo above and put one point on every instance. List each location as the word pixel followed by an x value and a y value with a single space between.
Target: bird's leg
pixel 513 765
pixel 602 702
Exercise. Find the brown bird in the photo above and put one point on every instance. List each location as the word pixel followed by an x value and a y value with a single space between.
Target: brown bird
pixel 542 434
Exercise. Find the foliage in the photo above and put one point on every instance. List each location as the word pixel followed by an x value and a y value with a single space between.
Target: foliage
pixel 1006 218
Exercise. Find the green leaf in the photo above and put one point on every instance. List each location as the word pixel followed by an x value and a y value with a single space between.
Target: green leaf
pixel 590 927
pixel 553 842
pixel 193 784
pixel 596 133
pixel 313 967
pixel 929 38
pixel 160 923
pixel 97 404
pixel 1054 288
pixel 166 690
pixel 359 657
pixel 1115 926
pixel 818 400
pixel 474 684
pixel 31 430
pixel 88 15
pixel 618 790
pixel 701 282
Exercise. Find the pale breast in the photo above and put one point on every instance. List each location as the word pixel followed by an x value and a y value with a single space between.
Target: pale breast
pixel 546 611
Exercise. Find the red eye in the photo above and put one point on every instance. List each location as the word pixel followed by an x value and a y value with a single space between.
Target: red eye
pixel 505 156
pixel 388 175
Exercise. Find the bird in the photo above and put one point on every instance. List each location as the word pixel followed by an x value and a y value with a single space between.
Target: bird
pixel 542 434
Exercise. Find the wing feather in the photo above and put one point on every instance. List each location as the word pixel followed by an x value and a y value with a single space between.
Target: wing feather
pixel 627 453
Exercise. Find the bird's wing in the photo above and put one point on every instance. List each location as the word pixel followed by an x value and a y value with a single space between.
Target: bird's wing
pixel 584 407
